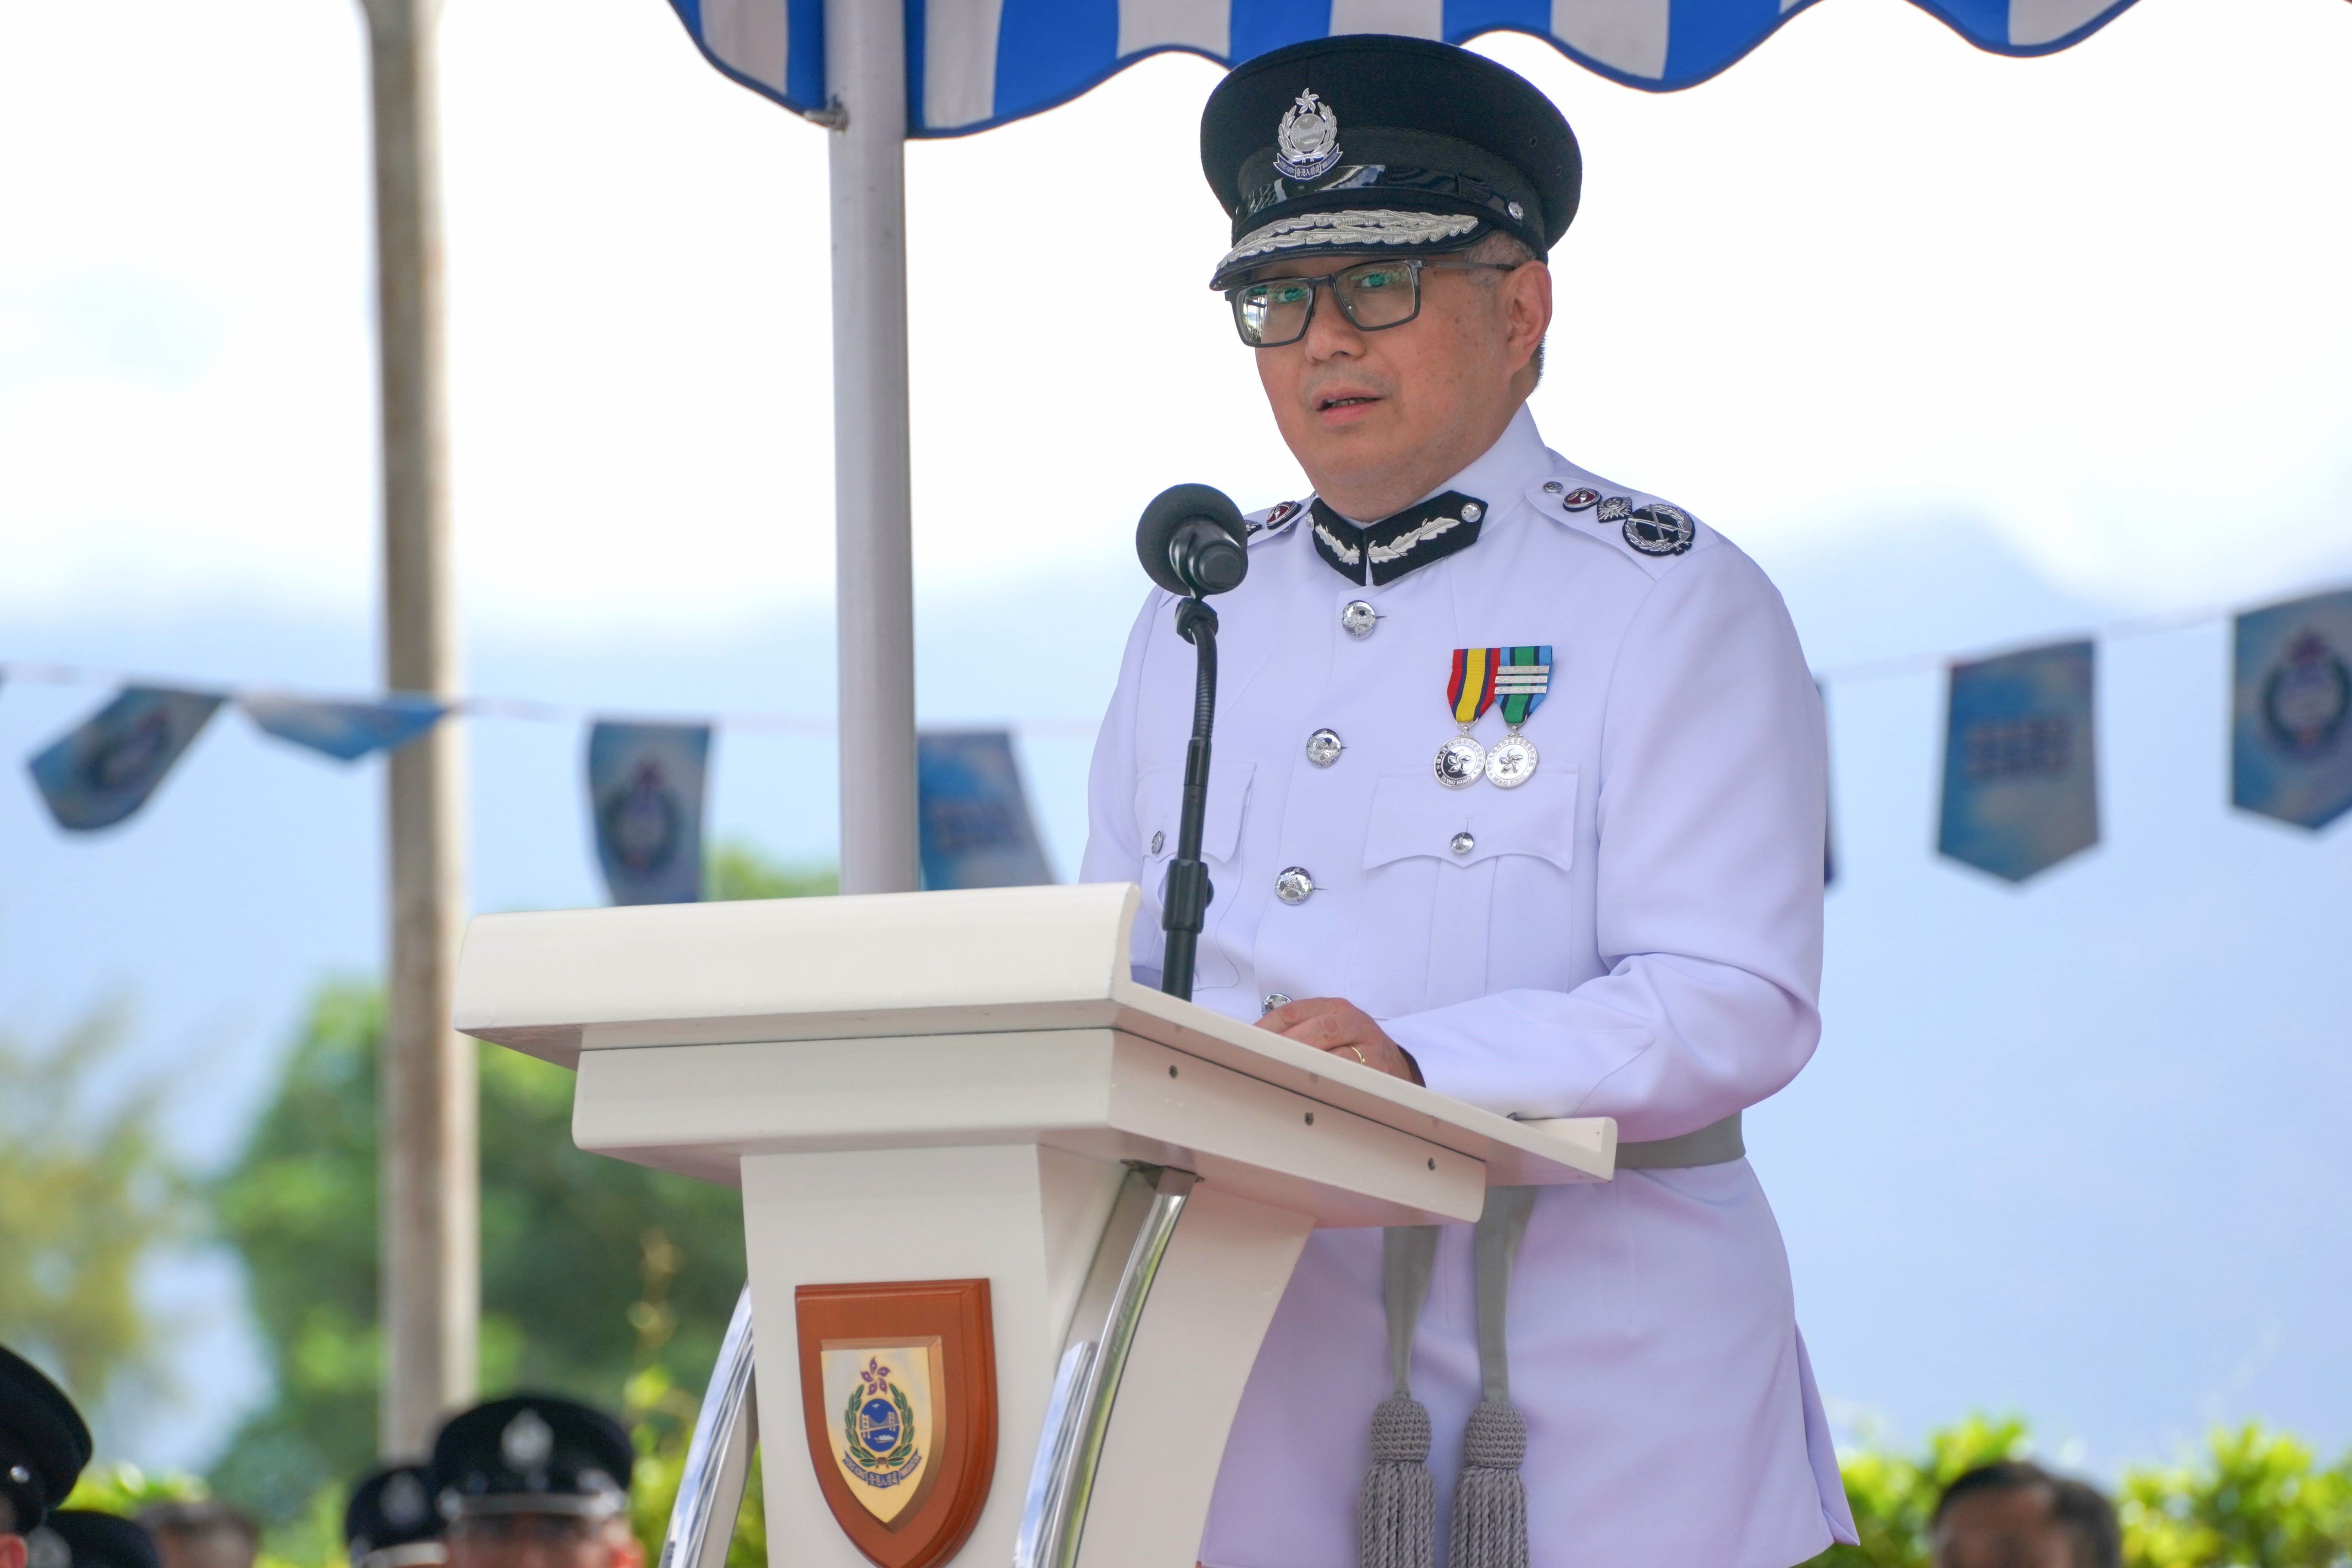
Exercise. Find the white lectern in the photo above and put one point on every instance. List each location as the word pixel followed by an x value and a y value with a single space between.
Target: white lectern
pixel 1024 1220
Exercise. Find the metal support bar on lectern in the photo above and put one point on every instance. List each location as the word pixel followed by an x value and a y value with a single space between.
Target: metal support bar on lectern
pixel 1086 1386
pixel 718 1461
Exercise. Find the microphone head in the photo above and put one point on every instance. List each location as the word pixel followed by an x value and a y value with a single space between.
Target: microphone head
pixel 1191 542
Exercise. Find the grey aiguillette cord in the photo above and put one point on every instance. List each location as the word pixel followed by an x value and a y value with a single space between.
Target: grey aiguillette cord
pixel 1399 1510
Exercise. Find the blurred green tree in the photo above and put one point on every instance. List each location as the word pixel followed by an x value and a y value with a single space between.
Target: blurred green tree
pixel 601 1279
pixel 87 1191
pixel 2253 1499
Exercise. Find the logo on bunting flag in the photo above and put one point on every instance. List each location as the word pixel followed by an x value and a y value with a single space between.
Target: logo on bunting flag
pixel 2020 777
pixel 2290 748
pixel 898 1400
pixel 645 794
pixel 100 773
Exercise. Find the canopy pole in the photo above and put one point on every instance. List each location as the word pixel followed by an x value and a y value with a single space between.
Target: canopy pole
pixel 866 66
pixel 429 1228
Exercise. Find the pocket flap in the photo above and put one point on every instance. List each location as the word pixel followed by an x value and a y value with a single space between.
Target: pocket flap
pixel 1160 801
pixel 1413 814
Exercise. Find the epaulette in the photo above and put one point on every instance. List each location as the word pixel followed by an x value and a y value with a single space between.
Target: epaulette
pixel 1650 532
pixel 1264 525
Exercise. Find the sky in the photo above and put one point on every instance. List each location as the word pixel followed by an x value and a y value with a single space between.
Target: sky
pixel 1966 351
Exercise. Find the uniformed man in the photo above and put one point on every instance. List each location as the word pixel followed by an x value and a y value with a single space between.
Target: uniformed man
pixel 1519 792
pixel 534 1481
pixel 392 1521
pixel 43 1447
pixel 2015 1514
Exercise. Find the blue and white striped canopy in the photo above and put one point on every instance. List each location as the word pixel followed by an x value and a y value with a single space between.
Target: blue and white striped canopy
pixel 978 63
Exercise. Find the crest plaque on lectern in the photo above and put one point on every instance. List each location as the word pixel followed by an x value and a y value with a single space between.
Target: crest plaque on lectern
pixel 899 1395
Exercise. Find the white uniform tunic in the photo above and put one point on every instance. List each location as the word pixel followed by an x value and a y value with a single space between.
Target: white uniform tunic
pixel 1635 931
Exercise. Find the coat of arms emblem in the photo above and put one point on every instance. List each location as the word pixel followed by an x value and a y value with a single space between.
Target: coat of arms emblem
pixel 1308 142
pixel 898 1390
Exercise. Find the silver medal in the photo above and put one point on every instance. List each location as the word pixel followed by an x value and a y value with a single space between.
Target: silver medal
pixel 1460 762
pixel 1512 763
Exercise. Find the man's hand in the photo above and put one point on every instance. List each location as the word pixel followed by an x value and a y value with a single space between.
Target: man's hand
pixel 1344 1029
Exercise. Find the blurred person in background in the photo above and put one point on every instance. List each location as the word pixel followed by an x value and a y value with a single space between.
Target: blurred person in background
pixel 391 1522
pixel 43 1447
pixel 2013 1514
pixel 533 1481
pixel 79 1538
pixel 201 1535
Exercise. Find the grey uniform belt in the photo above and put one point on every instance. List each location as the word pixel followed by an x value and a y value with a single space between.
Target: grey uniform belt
pixel 1716 1144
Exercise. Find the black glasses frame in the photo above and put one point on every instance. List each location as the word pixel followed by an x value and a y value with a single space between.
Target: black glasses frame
pixel 1316 285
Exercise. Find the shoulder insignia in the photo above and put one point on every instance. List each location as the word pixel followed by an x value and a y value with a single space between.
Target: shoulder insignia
pixel 1273 520
pixel 1658 529
pixel 1654 531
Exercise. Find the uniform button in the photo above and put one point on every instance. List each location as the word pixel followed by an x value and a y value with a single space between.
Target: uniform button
pixel 1464 843
pixel 1294 886
pixel 1553 487
pixel 1273 999
pixel 1323 748
pixel 1158 840
pixel 1358 618
pixel 1472 512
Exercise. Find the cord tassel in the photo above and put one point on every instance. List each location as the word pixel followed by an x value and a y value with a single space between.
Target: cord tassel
pixel 1490 1499
pixel 1398 1513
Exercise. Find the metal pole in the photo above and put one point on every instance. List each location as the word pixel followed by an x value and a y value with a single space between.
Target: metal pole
pixel 874 587
pixel 429 1221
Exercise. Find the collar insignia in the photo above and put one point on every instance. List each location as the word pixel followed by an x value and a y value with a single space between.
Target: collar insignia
pixel 1307 144
pixel 1395 545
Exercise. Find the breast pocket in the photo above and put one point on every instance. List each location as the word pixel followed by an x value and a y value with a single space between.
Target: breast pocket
pixel 1434 859
pixel 1159 809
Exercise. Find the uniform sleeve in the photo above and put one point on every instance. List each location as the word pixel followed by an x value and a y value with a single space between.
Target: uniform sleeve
pixel 1113 852
pixel 1710 820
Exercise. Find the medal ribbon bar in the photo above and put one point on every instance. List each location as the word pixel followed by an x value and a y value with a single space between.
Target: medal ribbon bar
pixel 1522 681
pixel 1470 690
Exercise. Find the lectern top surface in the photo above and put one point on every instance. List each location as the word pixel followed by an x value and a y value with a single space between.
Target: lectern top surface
pixel 989 961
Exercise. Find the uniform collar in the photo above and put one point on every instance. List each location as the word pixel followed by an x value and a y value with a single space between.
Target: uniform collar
pixel 1445 523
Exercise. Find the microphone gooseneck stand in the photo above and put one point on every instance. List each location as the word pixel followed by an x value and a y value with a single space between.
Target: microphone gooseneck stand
pixel 1194 544
pixel 1185 905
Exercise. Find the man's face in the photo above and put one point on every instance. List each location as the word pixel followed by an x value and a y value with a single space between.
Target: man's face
pixel 541 1541
pixel 1379 419
pixel 2007 1526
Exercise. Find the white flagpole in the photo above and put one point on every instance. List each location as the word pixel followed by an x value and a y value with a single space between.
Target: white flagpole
pixel 429 1245
pixel 866 70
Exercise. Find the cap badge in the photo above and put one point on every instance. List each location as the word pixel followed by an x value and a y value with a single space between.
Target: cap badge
pixel 1308 142
pixel 526 1442
pixel 403 1502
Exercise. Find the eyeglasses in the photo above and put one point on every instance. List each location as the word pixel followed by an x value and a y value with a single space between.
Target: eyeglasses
pixel 1372 295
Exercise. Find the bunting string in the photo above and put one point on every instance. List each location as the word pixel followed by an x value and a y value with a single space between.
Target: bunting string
pixel 2019 789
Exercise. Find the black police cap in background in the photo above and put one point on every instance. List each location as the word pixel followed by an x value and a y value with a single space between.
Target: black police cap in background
pixel 532 1453
pixel 1372 144
pixel 393 1519
pixel 77 1538
pixel 43 1443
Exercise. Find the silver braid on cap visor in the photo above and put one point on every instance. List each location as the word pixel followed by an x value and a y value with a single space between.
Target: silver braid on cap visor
pixel 1345 231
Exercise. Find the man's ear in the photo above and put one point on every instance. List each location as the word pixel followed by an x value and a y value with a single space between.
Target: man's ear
pixel 1527 304
pixel 12 1550
pixel 627 1552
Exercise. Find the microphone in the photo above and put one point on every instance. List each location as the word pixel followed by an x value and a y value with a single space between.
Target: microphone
pixel 1191 542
